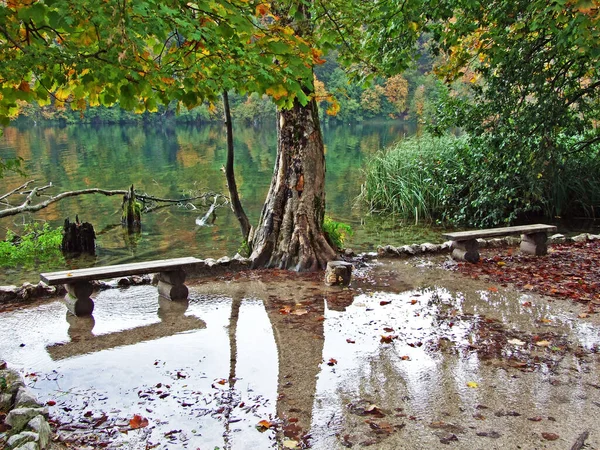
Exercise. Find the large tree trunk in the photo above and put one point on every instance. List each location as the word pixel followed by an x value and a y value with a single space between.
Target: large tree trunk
pixel 290 232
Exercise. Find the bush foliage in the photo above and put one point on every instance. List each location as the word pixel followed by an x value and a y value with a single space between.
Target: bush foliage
pixel 37 244
pixel 462 181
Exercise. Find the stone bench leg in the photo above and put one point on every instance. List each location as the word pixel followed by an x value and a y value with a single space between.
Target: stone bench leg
pixel 78 299
pixel 535 244
pixel 171 285
pixel 466 250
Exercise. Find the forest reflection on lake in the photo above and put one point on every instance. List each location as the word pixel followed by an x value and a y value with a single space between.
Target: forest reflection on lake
pixel 171 161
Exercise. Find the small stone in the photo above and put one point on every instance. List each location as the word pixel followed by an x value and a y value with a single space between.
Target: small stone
pixel 593 237
pixel 25 399
pixel 19 417
pixel 8 293
pixel 28 446
pixel 496 243
pixel 18 440
pixel 210 262
pixel 415 249
pixel 42 428
pixel 224 261
pixel 557 238
pixel 428 247
pixel 580 237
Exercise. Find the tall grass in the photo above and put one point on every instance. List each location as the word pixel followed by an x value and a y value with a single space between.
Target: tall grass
pixel 463 181
pixel 412 179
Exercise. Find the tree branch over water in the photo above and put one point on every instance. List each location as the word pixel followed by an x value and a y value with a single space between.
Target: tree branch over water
pixel 28 204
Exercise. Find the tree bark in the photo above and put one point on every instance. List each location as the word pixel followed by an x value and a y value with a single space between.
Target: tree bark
pixel 290 232
pixel 236 205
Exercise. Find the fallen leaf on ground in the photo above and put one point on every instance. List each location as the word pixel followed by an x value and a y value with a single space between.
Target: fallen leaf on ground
pixel 264 425
pixel 516 342
pixel 288 443
pixel 388 339
pixel 384 302
pixel 388 329
pixel 332 362
pixel 299 312
pixel 413 302
pixel 405 358
pixel 472 384
pixel 350 341
pixel 138 422
pixel 550 436
pixel 493 289
pixel 542 343
pixel 285 310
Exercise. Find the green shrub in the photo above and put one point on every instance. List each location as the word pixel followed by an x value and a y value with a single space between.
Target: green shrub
pixel 484 181
pixel 37 244
pixel 336 232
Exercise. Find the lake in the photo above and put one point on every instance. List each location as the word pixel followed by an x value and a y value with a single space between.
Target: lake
pixel 172 161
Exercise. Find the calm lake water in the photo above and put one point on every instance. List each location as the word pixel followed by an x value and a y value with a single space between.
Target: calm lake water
pixel 172 161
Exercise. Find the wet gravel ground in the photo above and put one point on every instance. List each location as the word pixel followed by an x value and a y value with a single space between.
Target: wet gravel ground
pixel 410 356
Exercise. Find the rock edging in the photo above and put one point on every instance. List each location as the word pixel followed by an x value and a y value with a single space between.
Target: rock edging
pixel 405 251
pixel 23 421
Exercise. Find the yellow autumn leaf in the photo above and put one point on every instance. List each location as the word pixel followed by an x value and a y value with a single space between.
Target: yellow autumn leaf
pixel 277 92
pixel 472 384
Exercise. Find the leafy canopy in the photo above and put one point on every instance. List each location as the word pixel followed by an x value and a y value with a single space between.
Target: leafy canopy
pixel 145 53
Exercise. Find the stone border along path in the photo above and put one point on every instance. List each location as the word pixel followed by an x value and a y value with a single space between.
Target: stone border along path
pixel 209 266
pixel 26 417
pixel 446 247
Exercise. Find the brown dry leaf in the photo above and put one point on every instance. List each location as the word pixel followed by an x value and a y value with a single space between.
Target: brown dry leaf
pixel 222 381
pixel 493 289
pixel 388 339
pixel 583 316
pixel 550 436
pixel 350 341
pixel 405 358
pixel 545 321
pixel 388 329
pixel 299 312
pixel 413 302
pixel 529 287
pixel 526 304
pixel 138 422
pixel 542 343
pixel 332 362
pixel 285 310
pixel 384 302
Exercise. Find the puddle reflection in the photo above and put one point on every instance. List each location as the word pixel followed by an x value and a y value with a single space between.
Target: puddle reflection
pixel 308 359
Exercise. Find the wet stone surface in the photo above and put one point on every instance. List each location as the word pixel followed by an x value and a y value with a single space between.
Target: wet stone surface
pixel 409 356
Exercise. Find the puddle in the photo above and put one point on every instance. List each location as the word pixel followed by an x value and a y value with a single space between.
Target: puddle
pixel 407 358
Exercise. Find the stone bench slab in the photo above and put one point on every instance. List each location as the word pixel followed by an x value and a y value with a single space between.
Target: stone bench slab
pixel 494 232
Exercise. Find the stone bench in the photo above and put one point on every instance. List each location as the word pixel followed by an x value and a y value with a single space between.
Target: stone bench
pixel 79 287
pixel 533 240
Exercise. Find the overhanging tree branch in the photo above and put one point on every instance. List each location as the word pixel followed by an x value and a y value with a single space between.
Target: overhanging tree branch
pixel 27 205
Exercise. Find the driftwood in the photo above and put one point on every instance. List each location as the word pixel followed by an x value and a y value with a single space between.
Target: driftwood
pixel 580 442
pixel 28 204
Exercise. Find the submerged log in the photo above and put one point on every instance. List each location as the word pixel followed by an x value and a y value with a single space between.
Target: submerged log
pixel 78 237
pixel 132 211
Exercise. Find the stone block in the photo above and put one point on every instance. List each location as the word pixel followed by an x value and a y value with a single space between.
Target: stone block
pixel 173 277
pixel 428 247
pixel 466 250
pixel 39 425
pixel 17 440
pixel 338 273
pixel 79 307
pixel 19 417
pixel 25 399
pixel 172 292
pixel 534 244
pixel 580 237
pixel 80 290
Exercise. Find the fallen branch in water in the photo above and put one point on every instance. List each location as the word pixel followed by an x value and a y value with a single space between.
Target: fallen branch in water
pixel 29 206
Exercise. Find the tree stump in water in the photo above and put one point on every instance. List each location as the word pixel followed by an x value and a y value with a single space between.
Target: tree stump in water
pixel 78 237
pixel 132 212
